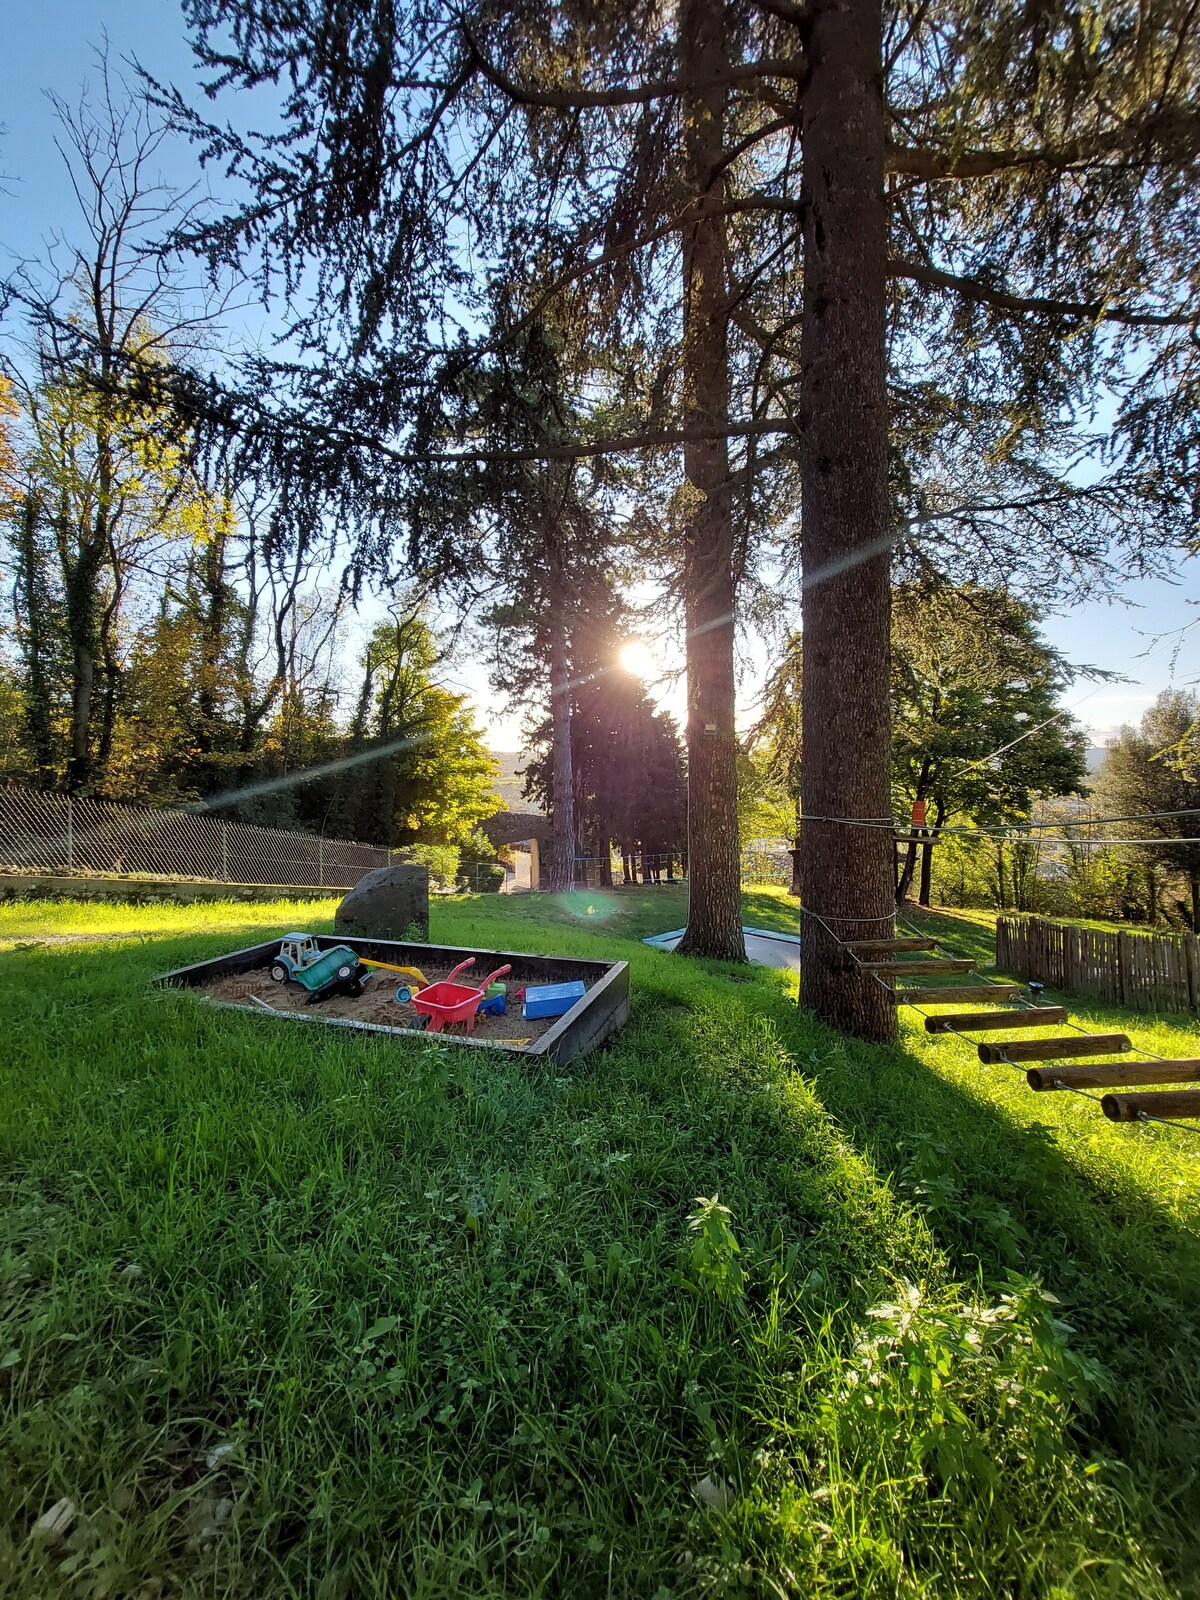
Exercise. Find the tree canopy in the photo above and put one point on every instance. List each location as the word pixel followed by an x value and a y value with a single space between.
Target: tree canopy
pixel 1151 774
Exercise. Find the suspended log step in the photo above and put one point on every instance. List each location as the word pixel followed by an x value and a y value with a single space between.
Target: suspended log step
pixel 1113 1074
pixel 1177 1104
pixel 886 945
pixel 893 969
pixel 985 1021
pixel 1074 1044
pixel 954 994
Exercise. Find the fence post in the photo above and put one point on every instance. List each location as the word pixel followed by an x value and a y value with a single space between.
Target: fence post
pixel 224 850
pixel 70 836
pixel 321 861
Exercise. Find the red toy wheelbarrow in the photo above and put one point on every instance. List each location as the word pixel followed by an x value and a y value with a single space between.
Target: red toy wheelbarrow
pixel 447 1001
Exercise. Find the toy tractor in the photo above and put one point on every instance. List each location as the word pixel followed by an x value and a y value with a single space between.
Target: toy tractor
pixel 323 973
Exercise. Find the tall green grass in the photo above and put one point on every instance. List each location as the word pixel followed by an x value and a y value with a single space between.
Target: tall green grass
pixel 285 1314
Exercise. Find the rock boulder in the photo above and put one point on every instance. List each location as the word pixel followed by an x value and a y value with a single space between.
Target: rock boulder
pixel 389 903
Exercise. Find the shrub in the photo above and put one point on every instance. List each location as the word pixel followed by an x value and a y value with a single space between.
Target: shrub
pixel 442 861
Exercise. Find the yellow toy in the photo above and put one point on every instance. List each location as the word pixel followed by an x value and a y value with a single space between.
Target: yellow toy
pixel 414 974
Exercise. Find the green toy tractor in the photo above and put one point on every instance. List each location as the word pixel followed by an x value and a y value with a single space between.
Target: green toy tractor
pixel 323 973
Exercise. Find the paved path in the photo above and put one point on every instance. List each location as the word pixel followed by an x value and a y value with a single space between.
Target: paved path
pixel 763 948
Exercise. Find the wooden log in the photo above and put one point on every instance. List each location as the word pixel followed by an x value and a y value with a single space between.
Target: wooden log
pixel 985 1021
pixel 1074 1044
pixel 1177 1104
pixel 891 944
pixel 892 969
pixel 1113 1074
pixel 955 993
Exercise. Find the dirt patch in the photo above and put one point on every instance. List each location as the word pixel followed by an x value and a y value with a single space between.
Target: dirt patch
pixel 377 1004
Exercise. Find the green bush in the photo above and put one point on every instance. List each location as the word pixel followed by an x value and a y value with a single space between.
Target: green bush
pixel 442 861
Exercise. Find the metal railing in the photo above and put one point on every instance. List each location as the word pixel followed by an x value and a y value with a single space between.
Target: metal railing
pixel 58 833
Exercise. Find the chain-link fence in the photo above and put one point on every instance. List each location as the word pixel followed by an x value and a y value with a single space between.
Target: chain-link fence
pixel 767 866
pixel 58 833
pixel 758 866
pixel 41 832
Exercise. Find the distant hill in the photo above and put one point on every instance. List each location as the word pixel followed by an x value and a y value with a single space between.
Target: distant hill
pixel 508 784
pixel 510 762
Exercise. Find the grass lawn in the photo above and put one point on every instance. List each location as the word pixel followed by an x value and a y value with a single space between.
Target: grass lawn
pixel 286 1314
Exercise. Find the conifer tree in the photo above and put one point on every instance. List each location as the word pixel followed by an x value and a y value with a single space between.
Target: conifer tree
pixel 1018 183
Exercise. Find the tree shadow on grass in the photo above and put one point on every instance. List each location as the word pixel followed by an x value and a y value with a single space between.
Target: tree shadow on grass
pixel 1002 1195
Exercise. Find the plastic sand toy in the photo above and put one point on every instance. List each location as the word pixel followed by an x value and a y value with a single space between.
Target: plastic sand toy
pixel 447 1001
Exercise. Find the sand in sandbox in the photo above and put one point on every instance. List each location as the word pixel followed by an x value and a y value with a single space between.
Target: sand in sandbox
pixel 377 1004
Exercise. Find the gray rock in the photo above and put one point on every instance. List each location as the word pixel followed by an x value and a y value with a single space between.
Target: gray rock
pixel 389 903
pixel 53 1525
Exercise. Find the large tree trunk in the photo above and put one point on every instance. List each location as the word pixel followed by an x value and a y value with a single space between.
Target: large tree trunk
pixel 906 872
pixel 210 574
pixel 927 839
pixel 36 642
pixel 847 886
pixel 926 888
pixel 714 923
pixel 82 600
pixel 562 782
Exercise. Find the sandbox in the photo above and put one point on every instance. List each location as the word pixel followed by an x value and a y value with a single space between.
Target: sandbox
pixel 241 981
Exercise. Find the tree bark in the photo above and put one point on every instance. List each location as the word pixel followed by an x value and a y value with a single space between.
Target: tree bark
pixel 714 922
pixel 846 875
pixel 82 599
pixel 1001 897
pixel 36 643
pixel 927 838
pixel 926 872
pixel 909 867
pixel 562 782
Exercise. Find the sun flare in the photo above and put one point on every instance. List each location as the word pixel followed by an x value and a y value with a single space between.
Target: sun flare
pixel 637 658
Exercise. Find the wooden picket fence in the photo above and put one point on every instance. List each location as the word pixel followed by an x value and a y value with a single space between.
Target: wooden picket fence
pixel 1143 971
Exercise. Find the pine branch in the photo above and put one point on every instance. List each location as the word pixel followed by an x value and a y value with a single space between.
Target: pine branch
pixel 1160 138
pixel 1075 310
pixel 635 94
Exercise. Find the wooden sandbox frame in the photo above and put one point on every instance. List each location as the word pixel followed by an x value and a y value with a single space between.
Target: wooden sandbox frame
pixel 603 1009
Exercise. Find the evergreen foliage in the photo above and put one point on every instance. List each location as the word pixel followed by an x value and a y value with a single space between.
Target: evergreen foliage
pixel 1153 769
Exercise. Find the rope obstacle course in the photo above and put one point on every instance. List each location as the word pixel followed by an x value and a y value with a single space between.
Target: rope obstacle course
pixel 893 959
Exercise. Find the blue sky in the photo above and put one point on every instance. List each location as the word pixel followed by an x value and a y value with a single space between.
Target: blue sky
pixel 51 46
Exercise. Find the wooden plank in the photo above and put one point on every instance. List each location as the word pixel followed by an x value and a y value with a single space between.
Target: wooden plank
pixel 891 944
pixel 1177 1104
pixel 986 1021
pixel 892 969
pixel 954 993
pixel 1113 1074
pixel 1058 1049
pixel 603 1009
